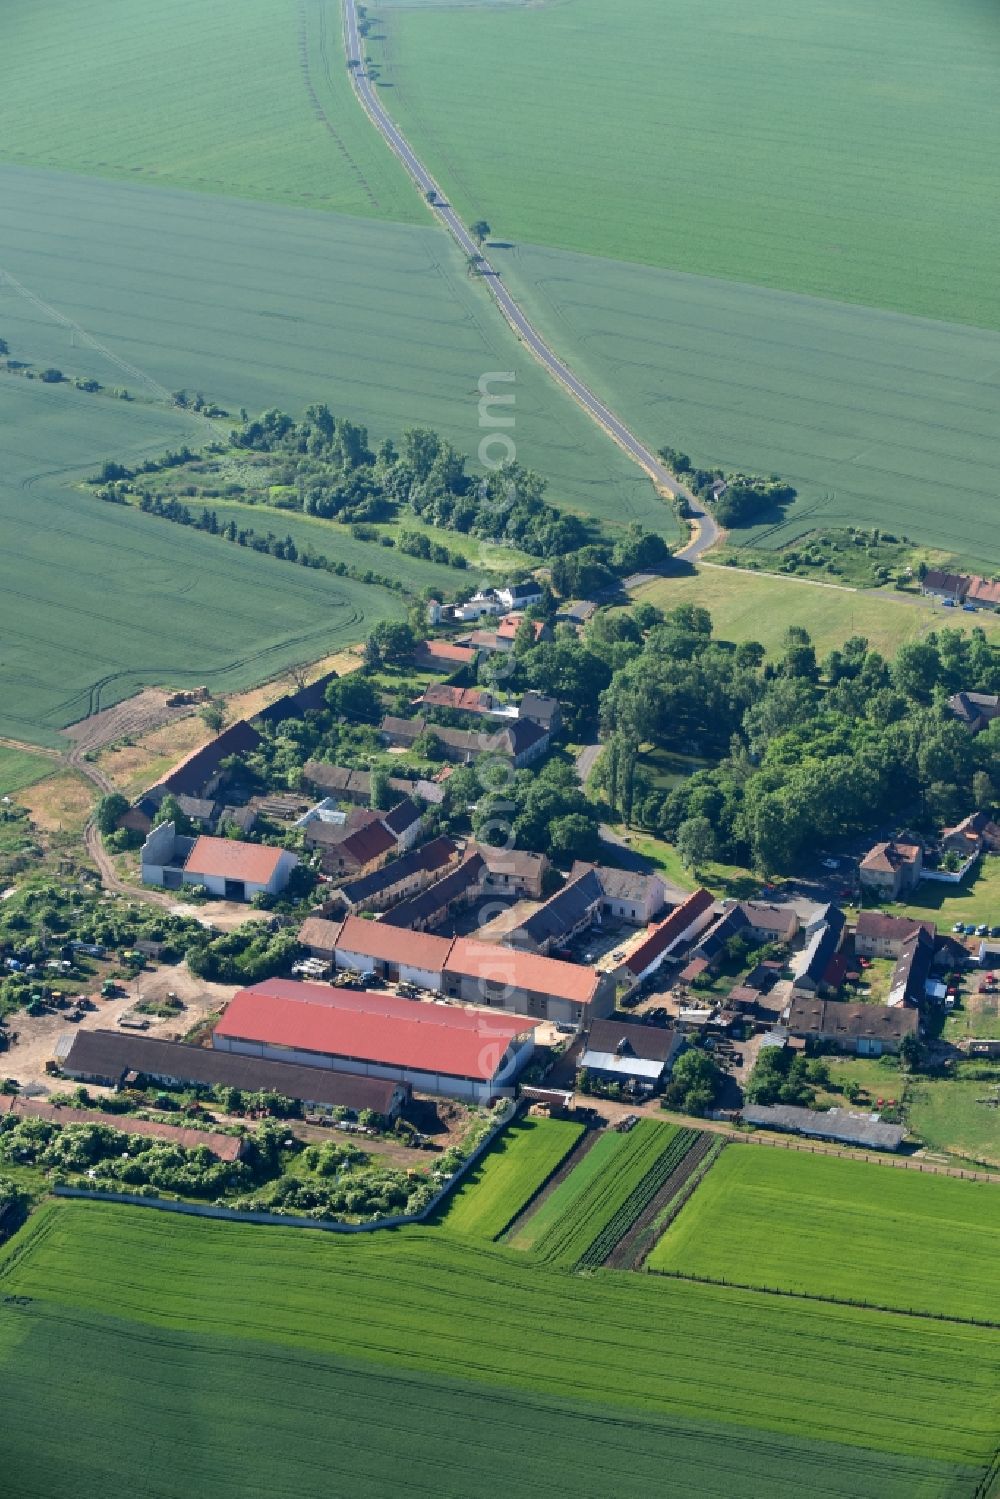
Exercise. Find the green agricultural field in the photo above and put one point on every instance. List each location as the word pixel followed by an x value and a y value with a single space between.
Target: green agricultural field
pixel 232 1417
pixel 749 606
pixel 430 1308
pixel 830 1226
pixel 596 1205
pixel 810 147
pixel 958 1116
pixel 248 98
pixel 97 600
pixel 874 417
pixel 261 306
pixel 508 1176
pixel 19 768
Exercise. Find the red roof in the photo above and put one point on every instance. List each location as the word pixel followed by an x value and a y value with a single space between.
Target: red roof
pixel 376 1028
pixel 522 970
pixel 666 932
pixel 445 651
pixel 228 859
pixel 393 944
pixel 466 699
pixel 511 623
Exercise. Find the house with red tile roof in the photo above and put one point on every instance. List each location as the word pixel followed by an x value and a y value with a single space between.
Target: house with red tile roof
pixel 438 1049
pixel 526 983
pixel 658 942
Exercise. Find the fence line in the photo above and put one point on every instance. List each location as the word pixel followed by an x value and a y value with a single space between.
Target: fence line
pixel 881 1158
pixel 281 1220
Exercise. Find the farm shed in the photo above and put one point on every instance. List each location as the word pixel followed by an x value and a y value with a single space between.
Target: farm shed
pixel 393 952
pixel 835 1124
pixel 525 983
pixel 459 887
pixel 440 1049
pixel 399 879
pixel 227 867
pixel 564 915
pixel 107 1057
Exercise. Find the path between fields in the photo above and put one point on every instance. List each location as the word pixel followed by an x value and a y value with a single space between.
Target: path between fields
pixel 706 532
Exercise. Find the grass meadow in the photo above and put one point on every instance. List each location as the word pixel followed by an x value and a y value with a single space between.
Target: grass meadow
pixel 245 98
pixel 866 1403
pixel 957 1116
pixel 20 768
pixel 876 418
pixel 830 1226
pixel 761 607
pixel 810 148
pixel 508 1176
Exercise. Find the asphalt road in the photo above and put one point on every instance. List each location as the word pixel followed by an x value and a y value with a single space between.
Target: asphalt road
pixel 706 531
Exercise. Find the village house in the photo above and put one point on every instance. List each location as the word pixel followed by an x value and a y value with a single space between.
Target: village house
pixel 866 1030
pixel 512 871
pixel 908 984
pixel 443 655
pixel 397 880
pixel 880 936
pixel 768 923
pixel 639 1056
pixel 226 867
pixel 521 740
pixel 687 920
pixel 976 710
pixel 973 834
pixel 542 710
pixel 455 890
pixel 626 894
pixel 891 868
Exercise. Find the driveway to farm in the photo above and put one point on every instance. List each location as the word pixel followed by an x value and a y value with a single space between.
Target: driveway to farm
pixel 706 530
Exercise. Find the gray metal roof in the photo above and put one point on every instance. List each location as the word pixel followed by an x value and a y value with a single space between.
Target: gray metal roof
pixel 834 1124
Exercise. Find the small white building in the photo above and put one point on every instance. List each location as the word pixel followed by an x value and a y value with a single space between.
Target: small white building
pixel 227 867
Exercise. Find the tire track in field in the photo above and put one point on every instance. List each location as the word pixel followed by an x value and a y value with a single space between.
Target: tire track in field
pixel 318 111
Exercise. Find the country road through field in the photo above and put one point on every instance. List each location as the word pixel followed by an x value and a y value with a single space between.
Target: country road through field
pixel 706 531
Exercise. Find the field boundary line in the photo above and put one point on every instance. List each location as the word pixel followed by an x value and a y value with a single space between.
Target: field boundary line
pixel 569 1162
pixel 859 1305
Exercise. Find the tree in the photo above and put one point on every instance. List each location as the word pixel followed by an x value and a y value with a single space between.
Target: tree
pixel 110 809
pixel 480 231
pixel 911 1053
pixel 574 835
pixel 696 842
pixel 213 714
pixel 393 640
pixel 380 795
pixel 694 1083
pixel 354 698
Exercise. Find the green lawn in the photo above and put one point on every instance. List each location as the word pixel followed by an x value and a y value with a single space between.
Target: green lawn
pixel 829 1226
pixel 421 1307
pixel 212 97
pixel 19 768
pixel 976 899
pixel 955 1115
pixel 810 148
pixel 483 556
pixel 508 1176
pixel 745 606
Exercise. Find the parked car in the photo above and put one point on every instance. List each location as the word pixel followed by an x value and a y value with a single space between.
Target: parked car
pixel 982 930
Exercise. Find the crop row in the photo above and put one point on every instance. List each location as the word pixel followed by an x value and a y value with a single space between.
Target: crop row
pixel 639 1198
pixel 624 1163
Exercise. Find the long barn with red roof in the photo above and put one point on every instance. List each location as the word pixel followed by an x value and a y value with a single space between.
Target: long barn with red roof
pixel 436 1048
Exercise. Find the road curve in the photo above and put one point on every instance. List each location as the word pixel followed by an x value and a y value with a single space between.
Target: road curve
pixel 706 530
